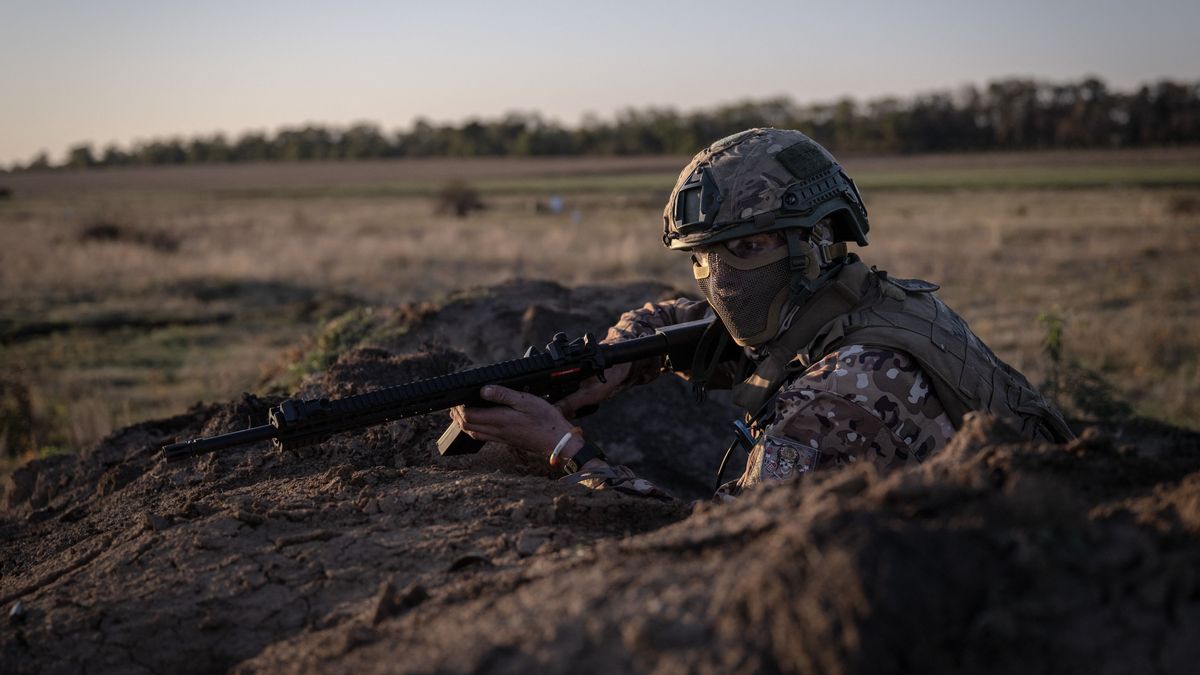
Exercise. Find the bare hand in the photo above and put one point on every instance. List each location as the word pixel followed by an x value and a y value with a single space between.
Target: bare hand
pixel 521 420
pixel 593 391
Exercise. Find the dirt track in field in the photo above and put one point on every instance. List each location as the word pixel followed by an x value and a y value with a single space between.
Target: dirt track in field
pixel 372 554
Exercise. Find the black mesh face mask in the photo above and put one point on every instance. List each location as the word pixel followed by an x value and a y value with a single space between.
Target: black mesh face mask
pixel 747 294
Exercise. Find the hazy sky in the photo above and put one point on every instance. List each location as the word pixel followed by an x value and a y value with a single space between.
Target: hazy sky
pixel 122 70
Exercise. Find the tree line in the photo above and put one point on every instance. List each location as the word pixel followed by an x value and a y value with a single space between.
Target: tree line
pixel 1008 114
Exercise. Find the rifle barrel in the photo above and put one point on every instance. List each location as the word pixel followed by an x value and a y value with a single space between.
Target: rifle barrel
pixel 177 451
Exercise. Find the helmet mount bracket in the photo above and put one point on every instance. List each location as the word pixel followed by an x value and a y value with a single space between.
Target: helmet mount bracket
pixel 798 249
pixel 698 200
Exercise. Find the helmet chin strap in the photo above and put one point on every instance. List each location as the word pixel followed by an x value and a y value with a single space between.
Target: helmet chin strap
pixel 801 286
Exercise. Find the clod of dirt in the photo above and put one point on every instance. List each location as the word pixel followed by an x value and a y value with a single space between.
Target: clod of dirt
pixel 389 602
pixel 459 198
pixel 1183 205
pixel 107 232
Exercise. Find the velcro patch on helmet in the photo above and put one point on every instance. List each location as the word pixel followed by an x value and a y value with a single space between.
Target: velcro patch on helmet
pixel 803 160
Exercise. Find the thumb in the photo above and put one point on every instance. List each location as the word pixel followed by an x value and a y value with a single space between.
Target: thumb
pixel 497 394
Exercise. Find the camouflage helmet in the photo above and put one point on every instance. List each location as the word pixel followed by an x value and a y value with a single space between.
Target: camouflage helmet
pixel 761 180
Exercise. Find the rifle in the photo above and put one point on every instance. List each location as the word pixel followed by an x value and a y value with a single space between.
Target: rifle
pixel 552 374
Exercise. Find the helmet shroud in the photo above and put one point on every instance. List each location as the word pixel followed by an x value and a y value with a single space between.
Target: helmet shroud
pixel 761 180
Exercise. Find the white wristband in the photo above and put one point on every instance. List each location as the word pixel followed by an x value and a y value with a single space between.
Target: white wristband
pixel 562 443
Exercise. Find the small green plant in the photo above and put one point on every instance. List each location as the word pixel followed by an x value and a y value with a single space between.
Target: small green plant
pixel 360 327
pixel 1085 390
pixel 51 450
pixel 1052 347
pixel 337 336
pixel 18 426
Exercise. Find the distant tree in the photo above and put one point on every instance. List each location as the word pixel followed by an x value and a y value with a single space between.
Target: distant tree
pixel 1007 114
pixel 114 156
pixel 81 157
pixel 251 147
pixel 362 141
pixel 425 140
pixel 162 152
pixel 40 161
pixel 207 150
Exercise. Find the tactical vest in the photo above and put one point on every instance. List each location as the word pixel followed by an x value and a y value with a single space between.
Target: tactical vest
pixel 861 306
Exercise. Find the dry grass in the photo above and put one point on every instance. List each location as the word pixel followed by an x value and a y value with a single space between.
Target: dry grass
pixel 387 250
pixel 114 330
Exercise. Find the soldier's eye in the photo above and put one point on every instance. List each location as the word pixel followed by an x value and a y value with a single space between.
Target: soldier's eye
pixel 745 248
pixel 754 245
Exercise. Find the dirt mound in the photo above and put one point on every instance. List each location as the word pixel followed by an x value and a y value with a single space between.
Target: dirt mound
pixel 371 553
pixel 993 557
pixel 107 232
pixel 496 323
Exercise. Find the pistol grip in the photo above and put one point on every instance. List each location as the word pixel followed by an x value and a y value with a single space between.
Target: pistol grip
pixel 455 441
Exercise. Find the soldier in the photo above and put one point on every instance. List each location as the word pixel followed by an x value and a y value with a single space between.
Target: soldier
pixel 843 363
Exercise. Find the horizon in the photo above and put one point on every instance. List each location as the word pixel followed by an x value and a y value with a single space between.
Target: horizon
pixel 126 73
pixel 583 119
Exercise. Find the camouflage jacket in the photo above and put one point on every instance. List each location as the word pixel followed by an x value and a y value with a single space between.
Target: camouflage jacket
pixel 856 404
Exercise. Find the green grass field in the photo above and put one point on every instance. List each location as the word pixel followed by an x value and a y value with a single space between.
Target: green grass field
pixel 1176 168
pixel 1062 178
pixel 976 178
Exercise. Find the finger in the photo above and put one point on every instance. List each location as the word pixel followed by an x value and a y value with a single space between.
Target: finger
pixel 493 417
pixel 505 396
pixel 497 394
pixel 480 435
pixel 466 417
pixel 477 425
pixel 571 403
pixel 481 428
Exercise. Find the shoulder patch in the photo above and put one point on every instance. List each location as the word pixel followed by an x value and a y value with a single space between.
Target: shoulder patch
pixel 784 457
pixel 915 285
